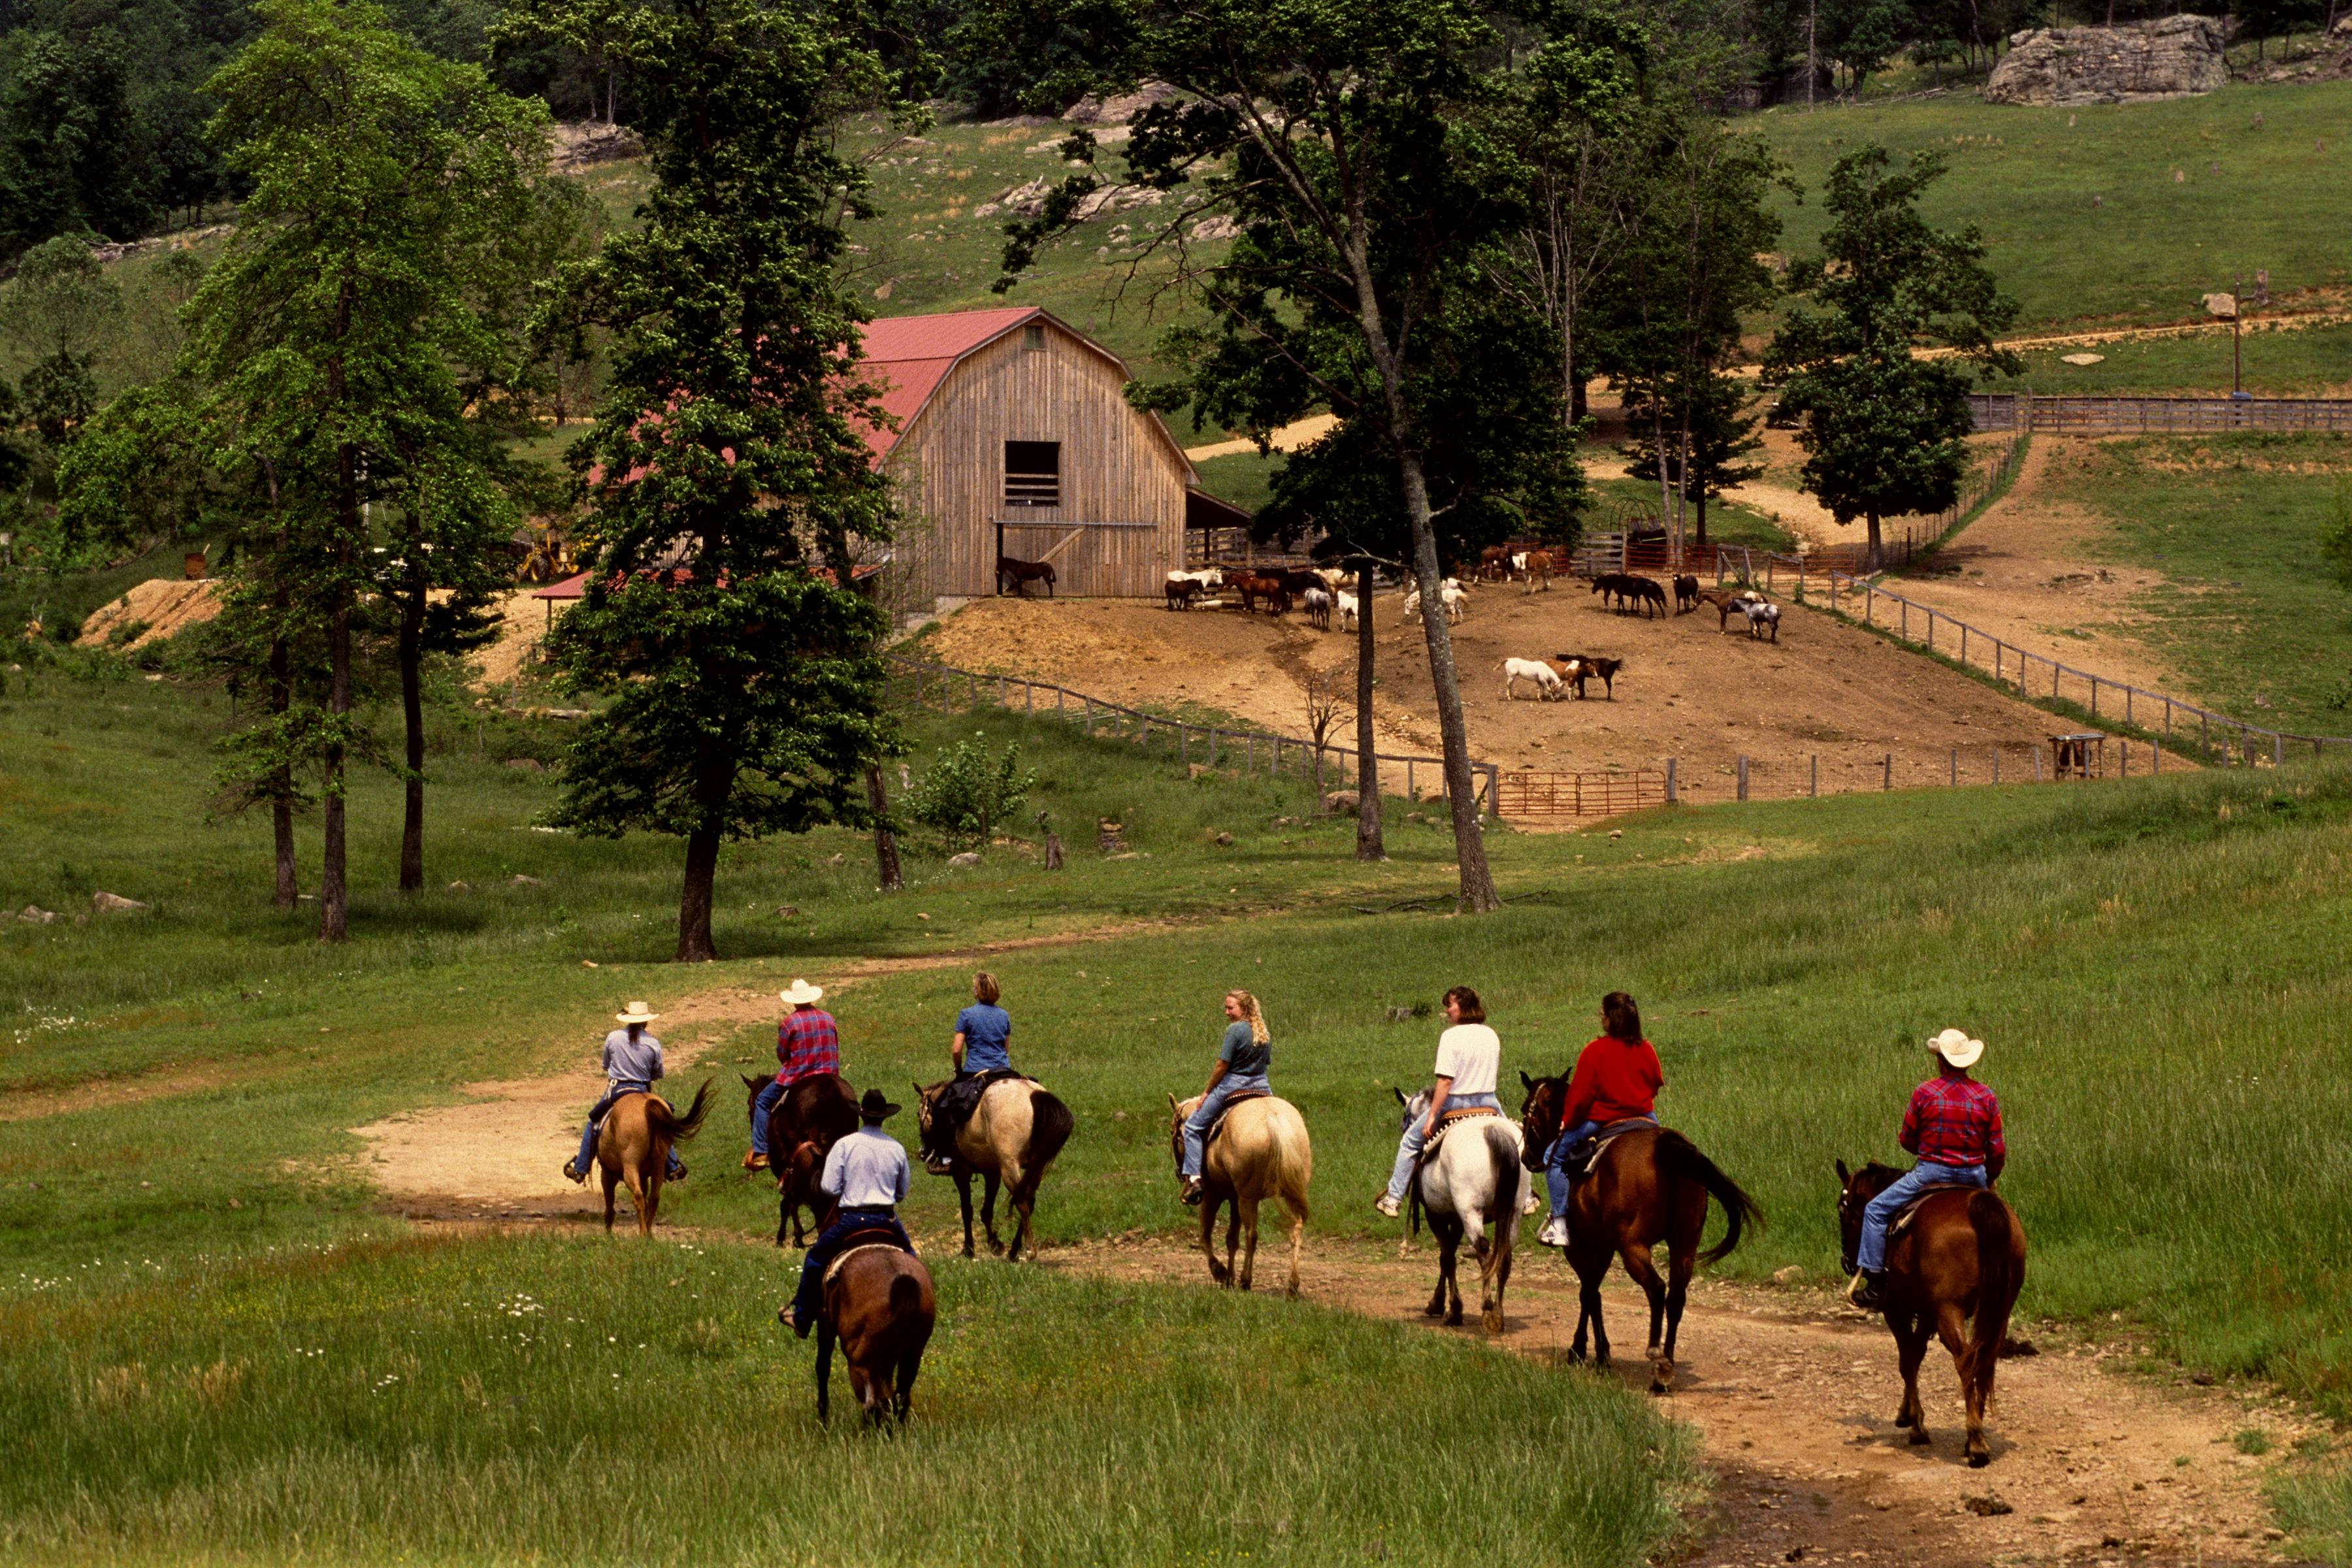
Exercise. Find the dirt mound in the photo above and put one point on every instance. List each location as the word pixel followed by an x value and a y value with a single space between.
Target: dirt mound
pixel 163 607
pixel 523 623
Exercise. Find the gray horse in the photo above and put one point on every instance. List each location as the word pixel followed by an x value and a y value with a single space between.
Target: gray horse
pixel 1473 1184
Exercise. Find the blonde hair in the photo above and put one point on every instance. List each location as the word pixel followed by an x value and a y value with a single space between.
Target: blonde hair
pixel 1250 1011
pixel 983 988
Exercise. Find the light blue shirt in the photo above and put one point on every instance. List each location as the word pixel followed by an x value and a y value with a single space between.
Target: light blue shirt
pixel 866 1169
pixel 628 1061
pixel 987 1031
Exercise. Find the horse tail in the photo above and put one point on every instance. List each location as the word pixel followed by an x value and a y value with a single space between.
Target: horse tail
pixel 906 1295
pixel 1679 1158
pixel 1998 1279
pixel 1294 1163
pixel 1050 1125
pixel 1503 1152
pixel 669 1124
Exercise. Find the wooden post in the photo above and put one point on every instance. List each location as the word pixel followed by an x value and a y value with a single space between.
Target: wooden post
pixel 2124 762
pixel 1995 764
pixel 1743 776
pixel 1249 762
pixel 2278 749
pixel 1144 738
pixel 1028 699
pixel 1963 645
pixel 1869 597
pixel 1956 767
pixel 1670 795
pixel 1814 791
pixel 1212 745
pixel 2156 758
pixel 1886 772
pixel 1410 792
pixel 2037 762
pixel 1184 745
pixel 1090 726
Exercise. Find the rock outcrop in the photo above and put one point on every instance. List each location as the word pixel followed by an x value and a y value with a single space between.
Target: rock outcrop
pixel 2173 56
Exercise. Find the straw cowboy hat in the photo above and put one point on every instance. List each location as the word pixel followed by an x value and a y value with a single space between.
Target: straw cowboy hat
pixel 801 993
pixel 873 1107
pixel 639 1012
pixel 1955 1047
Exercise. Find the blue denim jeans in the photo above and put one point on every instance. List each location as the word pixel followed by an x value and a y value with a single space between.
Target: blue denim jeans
pixel 1205 1115
pixel 1870 1255
pixel 597 1117
pixel 1556 1163
pixel 760 1105
pixel 810 1296
pixel 1408 1146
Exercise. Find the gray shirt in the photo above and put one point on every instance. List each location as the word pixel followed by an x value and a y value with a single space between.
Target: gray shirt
pixel 631 1061
pixel 866 1169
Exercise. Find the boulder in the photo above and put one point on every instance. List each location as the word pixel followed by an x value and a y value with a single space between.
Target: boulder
pixel 965 861
pixel 2172 57
pixel 32 914
pixel 1119 109
pixel 115 904
pixel 527 764
pixel 524 880
pixel 1341 802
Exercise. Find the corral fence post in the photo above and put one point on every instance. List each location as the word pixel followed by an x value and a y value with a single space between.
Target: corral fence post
pixel 1672 796
pixel 2037 762
pixel 1091 717
pixel 2155 758
pixel 1996 764
pixel 1814 791
pixel 1886 772
pixel 1743 776
pixel 2278 751
pixel 1956 767
pixel 1212 745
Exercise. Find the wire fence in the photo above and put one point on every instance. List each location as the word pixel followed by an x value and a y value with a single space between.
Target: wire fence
pixel 2078 415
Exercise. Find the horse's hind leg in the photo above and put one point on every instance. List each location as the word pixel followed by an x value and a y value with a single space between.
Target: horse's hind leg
pixel 612 1180
pixel 989 1184
pixel 1644 1271
pixel 1589 1267
pixel 1218 1272
pixel 1952 1326
pixel 903 1400
pixel 1911 1349
pixel 964 1196
pixel 1246 1212
pixel 1437 1308
pixel 651 1183
pixel 1679 1263
pixel 1297 1212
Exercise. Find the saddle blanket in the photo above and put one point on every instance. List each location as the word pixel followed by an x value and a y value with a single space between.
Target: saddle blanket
pixel 1454 1118
pixel 834 1267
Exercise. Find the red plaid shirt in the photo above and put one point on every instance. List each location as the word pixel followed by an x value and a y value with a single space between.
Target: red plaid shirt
pixel 1954 1121
pixel 807 1044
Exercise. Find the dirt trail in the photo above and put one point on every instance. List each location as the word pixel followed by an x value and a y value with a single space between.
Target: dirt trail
pixel 1793 1394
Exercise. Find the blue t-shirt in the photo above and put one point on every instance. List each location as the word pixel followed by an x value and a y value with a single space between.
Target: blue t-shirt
pixel 1241 1053
pixel 987 1031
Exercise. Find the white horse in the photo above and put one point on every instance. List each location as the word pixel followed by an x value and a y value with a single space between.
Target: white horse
pixel 1476 1182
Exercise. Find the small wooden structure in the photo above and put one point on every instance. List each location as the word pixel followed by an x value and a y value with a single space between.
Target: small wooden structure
pixel 2081 755
pixel 1014 438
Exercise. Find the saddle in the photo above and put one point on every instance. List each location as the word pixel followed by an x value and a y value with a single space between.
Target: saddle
pixel 874 1241
pixel 1600 1140
pixel 1228 1109
pixel 1910 1211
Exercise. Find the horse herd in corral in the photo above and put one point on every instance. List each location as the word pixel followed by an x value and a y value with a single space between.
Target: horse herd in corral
pixel 1628 591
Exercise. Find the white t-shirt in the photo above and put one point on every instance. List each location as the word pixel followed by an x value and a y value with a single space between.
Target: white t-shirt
pixel 1472 1056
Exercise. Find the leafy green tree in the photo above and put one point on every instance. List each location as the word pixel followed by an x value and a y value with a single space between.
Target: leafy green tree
pixel 1698 443
pixel 1885 432
pixel 966 793
pixel 69 154
pixel 58 310
pixel 732 486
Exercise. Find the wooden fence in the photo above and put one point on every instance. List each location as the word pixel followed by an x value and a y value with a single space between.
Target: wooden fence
pixel 1185 741
pixel 2085 416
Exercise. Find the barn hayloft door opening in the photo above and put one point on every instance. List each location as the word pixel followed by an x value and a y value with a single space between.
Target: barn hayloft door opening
pixel 1032 473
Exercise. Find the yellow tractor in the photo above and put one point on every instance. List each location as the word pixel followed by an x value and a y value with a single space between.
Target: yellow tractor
pixel 542 549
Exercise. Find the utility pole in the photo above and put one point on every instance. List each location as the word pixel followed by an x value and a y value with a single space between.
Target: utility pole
pixel 2237 315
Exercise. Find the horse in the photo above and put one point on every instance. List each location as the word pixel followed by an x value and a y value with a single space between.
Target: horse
pixel 802 1127
pixel 1020 572
pixel 1252 586
pixel 1960 1260
pixel 1012 1136
pixel 1474 1181
pixel 879 1304
pixel 1686 594
pixel 1258 1150
pixel 1652 1185
pixel 633 1143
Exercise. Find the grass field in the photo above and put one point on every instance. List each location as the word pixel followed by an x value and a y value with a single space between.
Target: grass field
pixel 2249 196
pixel 2251 615
pixel 2311 363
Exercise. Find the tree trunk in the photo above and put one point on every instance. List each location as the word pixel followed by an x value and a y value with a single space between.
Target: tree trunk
pixel 281 782
pixel 1877 557
pixel 1477 893
pixel 1368 768
pixel 411 714
pixel 334 913
pixel 886 842
pixel 1698 513
pixel 694 943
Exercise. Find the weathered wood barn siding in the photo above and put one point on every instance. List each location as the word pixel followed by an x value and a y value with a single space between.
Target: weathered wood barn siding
pixel 1119 527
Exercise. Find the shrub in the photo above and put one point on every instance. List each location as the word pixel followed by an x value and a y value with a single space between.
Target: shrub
pixel 967 791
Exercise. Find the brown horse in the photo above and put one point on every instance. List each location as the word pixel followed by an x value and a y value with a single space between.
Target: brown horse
pixel 1010 1138
pixel 878 1303
pixel 1259 1151
pixel 633 1143
pixel 1013 576
pixel 802 1127
pixel 1652 1185
pixel 1960 1263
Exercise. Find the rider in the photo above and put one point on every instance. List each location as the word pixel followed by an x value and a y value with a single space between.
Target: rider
pixel 633 1060
pixel 866 1176
pixel 1469 1055
pixel 1617 1078
pixel 982 1053
pixel 808 1043
pixel 1242 1060
pixel 1953 1125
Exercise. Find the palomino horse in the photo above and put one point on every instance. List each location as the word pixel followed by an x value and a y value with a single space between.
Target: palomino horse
pixel 802 1127
pixel 634 1144
pixel 1258 1150
pixel 1010 1138
pixel 1652 1185
pixel 1960 1262
pixel 879 1304
pixel 1474 1182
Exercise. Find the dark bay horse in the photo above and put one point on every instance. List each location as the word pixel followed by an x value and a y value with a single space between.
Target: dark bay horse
pixel 1011 1138
pixel 1013 576
pixel 879 1306
pixel 1652 1185
pixel 802 1127
pixel 634 1144
pixel 1959 1264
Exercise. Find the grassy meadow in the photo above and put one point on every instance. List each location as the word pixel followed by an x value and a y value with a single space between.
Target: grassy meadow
pixel 2278 361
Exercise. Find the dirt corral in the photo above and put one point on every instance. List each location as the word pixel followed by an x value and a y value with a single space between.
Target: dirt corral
pixel 1689 690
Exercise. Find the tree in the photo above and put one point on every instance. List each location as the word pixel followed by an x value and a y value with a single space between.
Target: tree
pixel 57 313
pixel 69 159
pixel 1343 137
pixel 326 337
pixel 1886 433
pixel 1714 430
pixel 731 483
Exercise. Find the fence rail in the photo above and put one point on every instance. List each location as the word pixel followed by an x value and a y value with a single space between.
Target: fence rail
pixel 1527 793
pixel 2078 415
pixel 1186 742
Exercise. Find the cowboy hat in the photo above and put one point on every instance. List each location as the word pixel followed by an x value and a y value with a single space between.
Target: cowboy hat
pixel 872 1107
pixel 1955 1047
pixel 639 1012
pixel 800 993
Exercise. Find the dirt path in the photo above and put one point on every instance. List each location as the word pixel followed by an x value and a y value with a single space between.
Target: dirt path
pixel 1791 1394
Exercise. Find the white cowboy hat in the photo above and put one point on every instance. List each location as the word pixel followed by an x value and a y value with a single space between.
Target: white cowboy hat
pixel 801 993
pixel 639 1012
pixel 1955 1047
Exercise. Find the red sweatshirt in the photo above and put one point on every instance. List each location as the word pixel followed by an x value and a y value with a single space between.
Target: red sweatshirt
pixel 1613 1080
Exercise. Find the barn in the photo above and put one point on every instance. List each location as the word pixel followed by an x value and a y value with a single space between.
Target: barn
pixel 1014 436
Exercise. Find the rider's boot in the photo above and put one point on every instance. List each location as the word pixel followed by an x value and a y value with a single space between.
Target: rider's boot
pixel 1868 1291
pixel 1190 1191
pixel 573 1173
